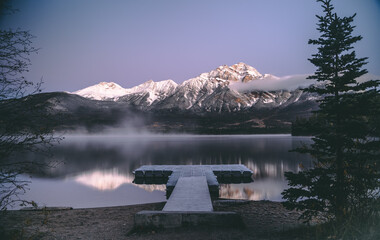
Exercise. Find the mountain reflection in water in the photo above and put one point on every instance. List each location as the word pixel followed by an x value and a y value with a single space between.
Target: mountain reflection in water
pixel 104 180
pixel 102 165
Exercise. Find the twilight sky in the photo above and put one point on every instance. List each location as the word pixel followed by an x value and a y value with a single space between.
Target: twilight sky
pixel 84 42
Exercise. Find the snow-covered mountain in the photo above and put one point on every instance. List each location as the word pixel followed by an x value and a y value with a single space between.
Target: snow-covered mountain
pixel 112 91
pixel 102 91
pixel 209 92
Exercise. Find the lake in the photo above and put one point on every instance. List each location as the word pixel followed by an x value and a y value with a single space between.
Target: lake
pixel 96 170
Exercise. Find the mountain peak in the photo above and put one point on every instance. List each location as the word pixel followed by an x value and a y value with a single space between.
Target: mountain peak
pixel 241 65
pixel 245 68
pixel 110 85
pixel 239 72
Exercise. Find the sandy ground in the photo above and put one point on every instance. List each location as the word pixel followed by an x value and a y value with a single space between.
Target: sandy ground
pixel 262 220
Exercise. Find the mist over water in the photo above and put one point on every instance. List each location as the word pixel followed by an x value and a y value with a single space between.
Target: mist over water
pixel 96 170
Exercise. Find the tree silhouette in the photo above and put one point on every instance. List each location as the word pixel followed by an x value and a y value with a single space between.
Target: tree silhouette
pixel 15 49
pixel 345 179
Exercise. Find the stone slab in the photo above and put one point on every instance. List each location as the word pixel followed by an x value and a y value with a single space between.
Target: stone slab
pixel 190 194
pixel 163 219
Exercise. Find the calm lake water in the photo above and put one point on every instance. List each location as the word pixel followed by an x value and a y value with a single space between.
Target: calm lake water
pixel 96 170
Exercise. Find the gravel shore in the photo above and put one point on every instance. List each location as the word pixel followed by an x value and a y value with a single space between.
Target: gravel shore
pixel 262 220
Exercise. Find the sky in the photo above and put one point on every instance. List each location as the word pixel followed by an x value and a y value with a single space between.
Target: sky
pixel 84 42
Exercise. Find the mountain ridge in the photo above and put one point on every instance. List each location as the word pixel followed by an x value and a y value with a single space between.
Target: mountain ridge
pixel 208 92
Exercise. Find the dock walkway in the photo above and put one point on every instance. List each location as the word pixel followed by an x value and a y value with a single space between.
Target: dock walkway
pixel 190 194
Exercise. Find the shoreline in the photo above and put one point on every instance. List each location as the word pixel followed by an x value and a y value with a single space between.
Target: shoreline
pixel 261 218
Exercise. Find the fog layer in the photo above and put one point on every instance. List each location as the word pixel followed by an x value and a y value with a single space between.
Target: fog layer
pixel 291 82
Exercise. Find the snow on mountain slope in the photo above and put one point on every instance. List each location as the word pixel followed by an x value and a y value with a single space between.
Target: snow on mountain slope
pixel 102 91
pixel 155 90
pixel 149 93
pixel 113 91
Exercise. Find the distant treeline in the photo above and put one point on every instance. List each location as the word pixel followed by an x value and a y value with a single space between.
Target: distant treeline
pixel 301 126
pixel 307 126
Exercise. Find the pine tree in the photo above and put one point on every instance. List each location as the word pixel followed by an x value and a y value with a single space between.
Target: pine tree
pixel 345 148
